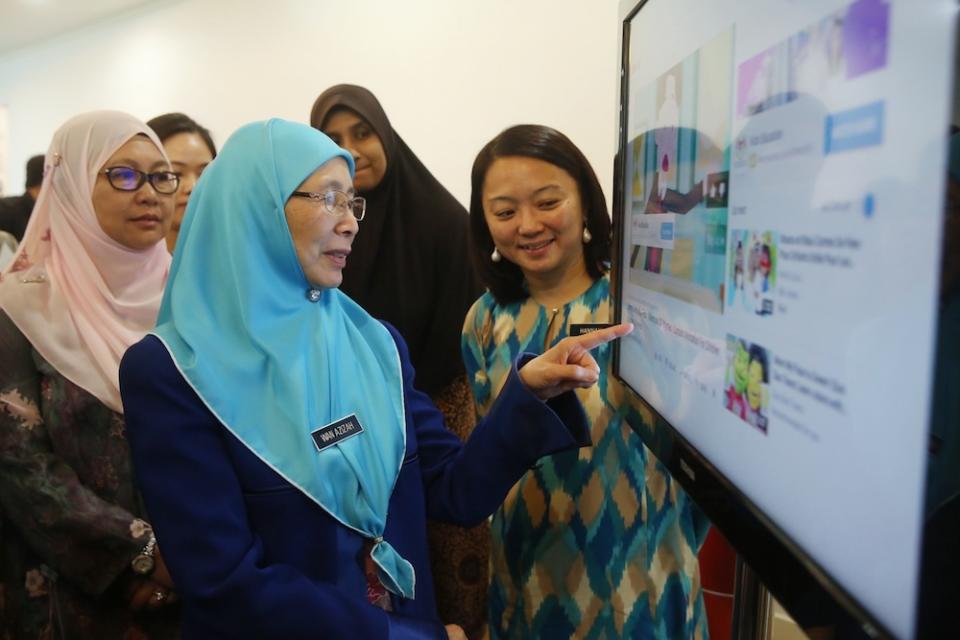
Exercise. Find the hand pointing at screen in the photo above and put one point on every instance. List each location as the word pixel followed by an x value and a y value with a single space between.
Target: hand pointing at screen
pixel 569 365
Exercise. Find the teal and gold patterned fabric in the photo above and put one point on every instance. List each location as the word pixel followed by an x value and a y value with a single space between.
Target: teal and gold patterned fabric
pixel 595 543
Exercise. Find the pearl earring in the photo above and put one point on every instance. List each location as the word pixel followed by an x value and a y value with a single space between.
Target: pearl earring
pixel 587 236
pixel 495 256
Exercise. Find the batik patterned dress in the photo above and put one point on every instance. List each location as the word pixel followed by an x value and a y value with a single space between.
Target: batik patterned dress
pixel 595 543
pixel 70 516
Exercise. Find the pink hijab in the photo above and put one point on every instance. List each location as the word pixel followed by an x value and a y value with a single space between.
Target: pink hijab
pixel 80 297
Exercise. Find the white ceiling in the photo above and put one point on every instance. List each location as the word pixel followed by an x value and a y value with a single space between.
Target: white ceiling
pixel 24 22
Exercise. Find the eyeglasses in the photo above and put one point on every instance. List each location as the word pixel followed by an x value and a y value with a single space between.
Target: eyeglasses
pixel 337 203
pixel 127 179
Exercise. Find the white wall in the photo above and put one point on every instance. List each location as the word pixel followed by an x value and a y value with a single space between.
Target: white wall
pixel 450 73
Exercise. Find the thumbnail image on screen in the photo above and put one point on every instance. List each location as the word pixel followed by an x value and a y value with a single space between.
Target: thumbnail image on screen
pixel 679 180
pixel 752 271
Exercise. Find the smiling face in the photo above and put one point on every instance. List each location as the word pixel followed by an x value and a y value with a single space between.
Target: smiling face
pixel 321 239
pixel 535 216
pixel 136 219
pixel 355 134
pixel 189 156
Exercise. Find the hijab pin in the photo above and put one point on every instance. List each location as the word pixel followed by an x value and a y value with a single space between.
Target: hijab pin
pixel 56 159
pixel 313 294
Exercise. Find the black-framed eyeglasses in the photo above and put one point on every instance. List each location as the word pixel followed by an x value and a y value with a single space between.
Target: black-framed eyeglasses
pixel 337 203
pixel 129 179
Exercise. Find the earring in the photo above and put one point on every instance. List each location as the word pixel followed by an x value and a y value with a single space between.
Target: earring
pixel 587 236
pixel 495 256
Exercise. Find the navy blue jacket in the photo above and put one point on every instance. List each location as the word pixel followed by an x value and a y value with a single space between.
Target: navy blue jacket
pixel 253 557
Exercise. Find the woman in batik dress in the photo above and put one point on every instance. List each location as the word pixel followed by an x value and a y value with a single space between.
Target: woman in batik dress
pixel 595 543
pixel 78 558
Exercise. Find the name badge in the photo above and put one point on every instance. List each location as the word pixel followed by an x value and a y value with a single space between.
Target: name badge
pixel 584 329
pixel 336 432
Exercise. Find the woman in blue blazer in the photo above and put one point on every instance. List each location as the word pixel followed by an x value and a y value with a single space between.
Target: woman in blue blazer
pixel 287 461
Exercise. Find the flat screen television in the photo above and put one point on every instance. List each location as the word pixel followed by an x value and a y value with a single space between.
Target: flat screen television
pixel 779 212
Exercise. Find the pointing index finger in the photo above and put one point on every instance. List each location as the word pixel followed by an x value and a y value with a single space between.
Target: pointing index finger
pixel 596 338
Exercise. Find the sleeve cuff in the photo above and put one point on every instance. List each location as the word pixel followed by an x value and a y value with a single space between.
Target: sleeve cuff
pixel 566 405
pixel 533 428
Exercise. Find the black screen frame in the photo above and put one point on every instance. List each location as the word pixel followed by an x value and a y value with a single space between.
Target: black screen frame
pixel 804 588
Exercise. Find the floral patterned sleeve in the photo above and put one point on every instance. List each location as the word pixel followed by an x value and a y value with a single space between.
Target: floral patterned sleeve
pixel 78 532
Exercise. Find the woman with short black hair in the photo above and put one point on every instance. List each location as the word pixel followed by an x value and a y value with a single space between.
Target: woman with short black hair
pixel 599 542
pixel 190 149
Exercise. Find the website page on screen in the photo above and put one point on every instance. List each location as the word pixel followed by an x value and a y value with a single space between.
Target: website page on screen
pixel 783 195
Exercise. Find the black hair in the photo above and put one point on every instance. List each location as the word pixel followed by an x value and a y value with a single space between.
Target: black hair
pixel 35 171
pixel 759 354
pixel 505 279
pixel 170 124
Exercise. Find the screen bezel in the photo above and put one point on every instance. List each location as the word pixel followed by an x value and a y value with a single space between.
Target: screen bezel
pixel 795 579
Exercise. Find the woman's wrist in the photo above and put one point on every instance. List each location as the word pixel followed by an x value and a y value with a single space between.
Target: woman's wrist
pixel 144 563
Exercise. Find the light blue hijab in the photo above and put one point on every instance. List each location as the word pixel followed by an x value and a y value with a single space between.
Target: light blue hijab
pixel 269 363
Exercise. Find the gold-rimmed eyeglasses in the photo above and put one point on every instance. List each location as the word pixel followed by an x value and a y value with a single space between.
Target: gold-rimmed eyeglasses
pixel 337 203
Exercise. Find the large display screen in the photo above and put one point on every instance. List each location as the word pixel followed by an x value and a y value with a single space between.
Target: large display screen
pixel 780 222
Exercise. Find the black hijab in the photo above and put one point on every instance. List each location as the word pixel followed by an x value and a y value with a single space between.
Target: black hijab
pixel 410 263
